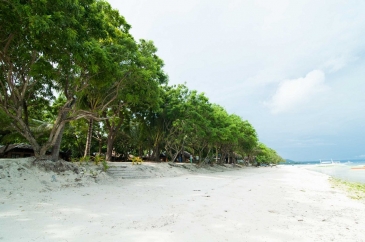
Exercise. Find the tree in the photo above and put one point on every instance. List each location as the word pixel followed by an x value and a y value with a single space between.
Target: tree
pixel 138 90
pixel 247 139
pixel 199 129
pixel 268 155
pixel 173 119
pixel 60 45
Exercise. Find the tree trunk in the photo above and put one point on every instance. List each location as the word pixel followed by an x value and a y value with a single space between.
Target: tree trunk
pixel 169 153
pixel 175 156
pixel 25 131
pixel 88 137
pixel 156 153
pixel 113 129
pixel 109 145
pixel 233 158
pixel 216 154
pixel 201 160
pixel 100 145
pixel 109 148
pixel 57 146
pixel 6 147
pixel 223 158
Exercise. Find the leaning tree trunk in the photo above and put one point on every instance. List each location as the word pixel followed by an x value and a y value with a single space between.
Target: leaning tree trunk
pixel 24 130
pixel 176 155
pixel 88 138
pixel 3 153
pixel 57 146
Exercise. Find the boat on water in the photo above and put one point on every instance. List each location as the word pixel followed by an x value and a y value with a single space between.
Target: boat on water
pixel 329 163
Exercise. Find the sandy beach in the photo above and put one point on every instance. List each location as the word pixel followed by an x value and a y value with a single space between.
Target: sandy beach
pixel 284 203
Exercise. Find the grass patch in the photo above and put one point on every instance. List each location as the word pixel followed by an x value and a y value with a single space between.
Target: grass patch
pixel 354 189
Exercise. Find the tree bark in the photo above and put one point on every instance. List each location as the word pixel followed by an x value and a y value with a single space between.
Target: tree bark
pixel 100 145
pixel 6 147
pixel 58 136
pixel 55 155
pixel 88 138
pixel 57 145
pixel 156 153
pixel 216 155
pixel 24 130
pixel 113 129
pixel 109 145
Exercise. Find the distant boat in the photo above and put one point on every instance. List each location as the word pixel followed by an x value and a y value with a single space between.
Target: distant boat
pixel 329 163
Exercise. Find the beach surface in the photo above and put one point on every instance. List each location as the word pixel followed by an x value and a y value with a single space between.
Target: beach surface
pixel 284 203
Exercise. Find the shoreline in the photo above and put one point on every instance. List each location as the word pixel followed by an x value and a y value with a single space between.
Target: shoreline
pixel 348 173
pixel 248 204
pixel 353 187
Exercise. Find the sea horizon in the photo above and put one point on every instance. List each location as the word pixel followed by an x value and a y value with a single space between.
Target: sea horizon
pixel 358 160
pixel 346 170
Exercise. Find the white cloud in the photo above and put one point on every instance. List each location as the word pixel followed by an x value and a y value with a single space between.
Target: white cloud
pixel 291 94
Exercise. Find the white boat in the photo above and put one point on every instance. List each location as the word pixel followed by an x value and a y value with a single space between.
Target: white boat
pixel 329 163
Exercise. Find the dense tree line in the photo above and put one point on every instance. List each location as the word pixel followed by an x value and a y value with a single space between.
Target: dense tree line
pixel 73 78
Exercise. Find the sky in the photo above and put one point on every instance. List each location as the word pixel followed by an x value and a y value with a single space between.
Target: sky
pixel 294 69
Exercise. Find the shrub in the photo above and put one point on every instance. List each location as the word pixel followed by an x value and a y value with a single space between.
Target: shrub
pixel 105 165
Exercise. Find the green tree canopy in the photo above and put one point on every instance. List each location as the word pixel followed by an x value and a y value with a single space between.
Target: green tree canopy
pixel 61 45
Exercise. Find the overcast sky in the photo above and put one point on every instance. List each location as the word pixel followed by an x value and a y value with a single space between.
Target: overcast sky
pixel 294 69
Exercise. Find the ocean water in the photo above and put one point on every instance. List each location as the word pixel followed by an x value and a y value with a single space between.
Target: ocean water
pixel 346 170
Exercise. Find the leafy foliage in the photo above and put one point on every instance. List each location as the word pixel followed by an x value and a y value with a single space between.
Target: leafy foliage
pixel 98 159
pixel 268 156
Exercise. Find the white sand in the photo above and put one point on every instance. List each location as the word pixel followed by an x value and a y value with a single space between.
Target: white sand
pixel 250 204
